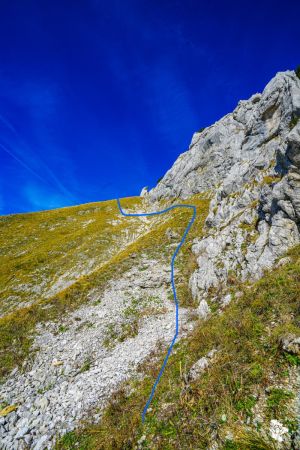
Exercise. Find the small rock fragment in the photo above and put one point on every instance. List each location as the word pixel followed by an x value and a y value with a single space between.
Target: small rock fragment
pixel 198 368
pixel 226 300
pixel 144 192
pixel 203 310
pixel 277 430
pixel 57 363
pixel 291 344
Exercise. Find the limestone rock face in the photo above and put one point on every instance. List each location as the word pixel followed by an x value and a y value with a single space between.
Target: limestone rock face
pixel 249 162
pixel 144 192
pixel 239 145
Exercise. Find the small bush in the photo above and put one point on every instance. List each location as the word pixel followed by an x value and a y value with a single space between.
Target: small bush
pixel 294 360
pixel 297 71
pixel 251 440
pixel 256 372
pixel 270 179
pixel 277 400
pixel 246 405
pixel 86 366
pixel 293 122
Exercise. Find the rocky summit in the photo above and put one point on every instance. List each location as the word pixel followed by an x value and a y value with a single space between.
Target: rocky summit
pixel 87 311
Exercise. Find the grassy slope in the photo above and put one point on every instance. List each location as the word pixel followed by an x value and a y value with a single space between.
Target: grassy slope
pixel 38 249
pixel 251 374
pixel 50 254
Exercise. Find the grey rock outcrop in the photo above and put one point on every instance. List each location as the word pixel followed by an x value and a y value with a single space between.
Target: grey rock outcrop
pixel 203 310
pixel 291 344
pixel 144 192
pixel 201 365
pixel 249 162
pixel 239 145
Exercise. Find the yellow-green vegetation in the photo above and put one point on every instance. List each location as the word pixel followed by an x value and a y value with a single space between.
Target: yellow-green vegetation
pixel 234 194
pixel 186 262
pixel 249 227
pixel 251 184
pixel 251 234
pixel 85 366
pixel 112 239
pixel 270 179
pixel 294 121
pixel 5 410
pixel 249 370
pixel 42 251
pixel 276 401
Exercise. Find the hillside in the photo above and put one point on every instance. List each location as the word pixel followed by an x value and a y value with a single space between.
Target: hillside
pixel 87 310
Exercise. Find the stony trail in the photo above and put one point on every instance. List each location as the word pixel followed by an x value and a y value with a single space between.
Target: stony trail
pixel 80 363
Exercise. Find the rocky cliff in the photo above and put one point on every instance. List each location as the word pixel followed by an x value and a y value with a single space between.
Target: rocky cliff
pixel 87 311
pixel 249 161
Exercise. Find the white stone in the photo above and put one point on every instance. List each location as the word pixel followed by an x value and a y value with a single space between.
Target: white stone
pixel 22 431
pixel 226 300
pixel 203 310
pixel 41 403
pixel 277 430
pixel 40 445
pixel 198 368
pixel 144 192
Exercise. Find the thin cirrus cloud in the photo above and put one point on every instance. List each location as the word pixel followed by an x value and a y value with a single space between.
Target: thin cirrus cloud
pixel 49 179
pixel 34 165
pixel 22 163
pixel 39 196
pixel 31 147
pixel 7 124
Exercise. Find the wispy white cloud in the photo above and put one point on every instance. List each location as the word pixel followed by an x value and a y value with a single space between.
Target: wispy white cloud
pixel 22 163
pixel 35 165
pixel 7 124
pixel 31 145
pixel 41 198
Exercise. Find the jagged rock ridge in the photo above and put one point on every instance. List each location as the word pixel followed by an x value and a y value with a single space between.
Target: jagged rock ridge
pixel 250 162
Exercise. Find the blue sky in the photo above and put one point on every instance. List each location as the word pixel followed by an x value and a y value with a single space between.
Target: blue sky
pixel 98 98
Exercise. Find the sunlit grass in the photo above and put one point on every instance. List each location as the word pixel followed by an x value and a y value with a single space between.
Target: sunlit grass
pixel 17 328
pixel 249 359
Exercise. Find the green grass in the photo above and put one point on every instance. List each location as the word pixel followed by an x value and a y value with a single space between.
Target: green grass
pixel 294 121
pixel 251 234
pixel 85 366
pixel 250 440
pixel 277 399
pixel 38 249
pixel 246 404
pixel 17 328
pixel 294 360
pixel 249 360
